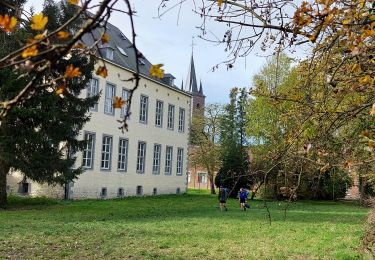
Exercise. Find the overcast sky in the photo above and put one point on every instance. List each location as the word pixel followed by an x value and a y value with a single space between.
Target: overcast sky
pixel 165 41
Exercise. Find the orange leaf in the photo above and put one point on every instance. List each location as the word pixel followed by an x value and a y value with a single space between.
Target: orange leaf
pixel 39 36
pixel 62 35
pixel 118 102
pixel 102 71
pixel 219 3
pixel 30 52
pixel 105 38
pixel 72 72
pixel 39 21
pixel 7 23
pixel 73 2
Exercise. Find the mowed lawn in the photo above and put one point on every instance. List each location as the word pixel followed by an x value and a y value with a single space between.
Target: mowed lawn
pixel 179 227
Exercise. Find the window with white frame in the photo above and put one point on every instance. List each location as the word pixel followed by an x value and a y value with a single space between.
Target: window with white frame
pixel 180 160
pixel 141 157
pixel 159 113
pixel 202 177
pixel 110 91
pixel 125 97
pixel 181 120
pixel 109 53
pixel 88 152
pixel 170 124
pixel 122 154
pixel 168 160
pixel 156 159
pixel 143 109
pixel 93 90
pixel 106 152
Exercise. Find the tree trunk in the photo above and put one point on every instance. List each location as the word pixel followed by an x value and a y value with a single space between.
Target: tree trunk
pixel 3 185
pixel 212 184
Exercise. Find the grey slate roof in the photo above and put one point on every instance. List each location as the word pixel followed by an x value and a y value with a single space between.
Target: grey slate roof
pixel 118 40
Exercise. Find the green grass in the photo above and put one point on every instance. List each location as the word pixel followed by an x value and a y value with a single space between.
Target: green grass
pixel 179 227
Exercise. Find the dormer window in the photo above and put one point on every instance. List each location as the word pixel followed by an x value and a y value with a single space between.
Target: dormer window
pixel 122 51
pixel 141 62
pixel 108 53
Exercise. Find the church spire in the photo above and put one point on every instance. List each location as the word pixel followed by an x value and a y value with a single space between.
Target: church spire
pixel 191 80
pixel 200 87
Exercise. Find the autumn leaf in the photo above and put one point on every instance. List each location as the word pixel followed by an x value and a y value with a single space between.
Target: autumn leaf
pixel 102 71
pixel 62 35
pixel 157 71
pixel 118 102
pixel 365 79
pixel 39 36
pixel 346 22
pixel 39 21
pixel 60 90
pixel 7 23
pixel 105 38
pixel 73 2
pixel 72 72
pixel 219 3
pixel 30 52
pixel 372 112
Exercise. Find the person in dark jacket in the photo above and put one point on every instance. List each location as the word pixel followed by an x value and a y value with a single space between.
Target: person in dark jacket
pixel 223 194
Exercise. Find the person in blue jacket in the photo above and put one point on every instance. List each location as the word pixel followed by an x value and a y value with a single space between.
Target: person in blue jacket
pixel 243 198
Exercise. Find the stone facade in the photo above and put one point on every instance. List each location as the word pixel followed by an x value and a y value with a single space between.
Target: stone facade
pixel 123 164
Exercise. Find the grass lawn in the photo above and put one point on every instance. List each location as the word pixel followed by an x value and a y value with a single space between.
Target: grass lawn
pixel 179 227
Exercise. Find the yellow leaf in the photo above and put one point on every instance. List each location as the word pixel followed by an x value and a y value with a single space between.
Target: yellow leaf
pixel 30 52
pixel 39 21
pixel 73 2
pixel 105 38
pixel 7 23
pixel 102 71
pixel 219 3
pixel 72 72
pixel 345 22
pixel 365 79
pixel 39 36
pixel 312 38
pixel 60 90
pixel 157 71
pixel 118 102
pixel 356 68
pixel 62 35
pixel 372 112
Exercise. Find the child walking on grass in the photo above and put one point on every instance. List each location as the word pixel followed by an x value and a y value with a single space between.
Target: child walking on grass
pixel 243 198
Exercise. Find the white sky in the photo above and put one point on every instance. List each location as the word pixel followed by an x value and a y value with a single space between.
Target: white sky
pixel 163 41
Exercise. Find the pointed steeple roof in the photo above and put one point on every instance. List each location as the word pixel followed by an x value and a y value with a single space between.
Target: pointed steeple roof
pixel 191 80
pixel 200 87
pixel 182 84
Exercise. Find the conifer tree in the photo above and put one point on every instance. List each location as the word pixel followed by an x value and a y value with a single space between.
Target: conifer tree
pixel 38 137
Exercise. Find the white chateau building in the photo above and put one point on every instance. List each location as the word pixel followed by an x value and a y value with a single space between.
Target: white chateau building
pixel 150 158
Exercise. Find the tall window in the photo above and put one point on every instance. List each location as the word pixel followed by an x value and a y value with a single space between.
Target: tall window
pixel 88 152
pixel 156 159
pixel 141 157
pixel 125 96
pixel 109 96
pixel 159 113
pixel 143 109
pixel 202 177
pixel 170 117
pixel 93 90
pixel 106 152
pixel 181 120
pixel 180 160
pixel 122 154
pixel 168 160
